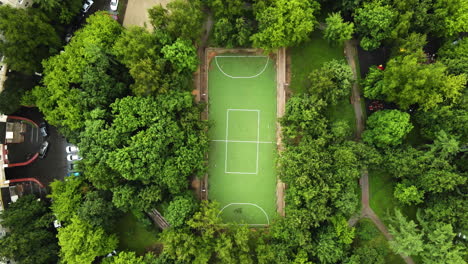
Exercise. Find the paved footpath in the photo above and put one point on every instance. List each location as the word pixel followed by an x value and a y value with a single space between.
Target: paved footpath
pixel 366 211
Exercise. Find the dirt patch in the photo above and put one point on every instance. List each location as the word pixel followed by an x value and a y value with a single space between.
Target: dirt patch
pixel 136 13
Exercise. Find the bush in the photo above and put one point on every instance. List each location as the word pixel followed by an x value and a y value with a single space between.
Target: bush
pixel 387 128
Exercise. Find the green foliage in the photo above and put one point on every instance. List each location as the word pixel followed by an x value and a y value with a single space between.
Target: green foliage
pixel 30 238
pixel 450 17
pixel 374 23
pixel 284 23
pixel 407 80
pixel 27 38
pixel 408 239
pixel 81 242
pixel 116 155
pixel 205 239
pixel 62 10
pixel 373 84
pixel 14 89
pixel 408 194
pixel 125 257
pixel 387 128
pixel 66 197
pixel 97 211
pixel 455 56
pixel 451 120
pixel 82 77
pixel 179 210
pixel 182 55
pixel 182 19
pixel 337 31
pixel 226 8
pixel 440 248
pixel 332 82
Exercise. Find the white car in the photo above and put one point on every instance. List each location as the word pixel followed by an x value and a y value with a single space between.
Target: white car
pixel 87 5
pixel 71 149
pixel 73 157
pixel 114 4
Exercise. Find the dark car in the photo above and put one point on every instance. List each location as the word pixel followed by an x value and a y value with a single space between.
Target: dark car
pixel 43 129
pixel 43 149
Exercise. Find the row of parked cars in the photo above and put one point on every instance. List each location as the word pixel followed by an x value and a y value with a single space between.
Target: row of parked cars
pixel 72 155
pixel 114 4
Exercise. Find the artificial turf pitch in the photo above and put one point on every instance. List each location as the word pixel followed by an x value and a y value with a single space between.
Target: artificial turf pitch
pixel 242 111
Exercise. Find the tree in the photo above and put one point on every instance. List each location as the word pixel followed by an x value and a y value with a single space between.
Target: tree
pixel 337 31
pixel 449 17
pixel 407 237
pixel 407 81
pixel 408 194
pixel 449 119
pixel 67 197
pixel 331 82
pixel 80 242
pixel 83 77
pixel 374 23
pixel 124 257
pixel 14 89
pixel 31 237
pixel 27 38
pixel 284 23
pixel 182 19
pixel 454 54
pixel 61 10
pixel 387 128
pixel 179 210
pixel 182 55
pixel 96 210
pixel 440 247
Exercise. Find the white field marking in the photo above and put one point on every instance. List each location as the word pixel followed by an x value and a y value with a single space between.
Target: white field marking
pixel 227 131
pixel 241 77
pixel 226 206
pixel 246 56
pixel 227 141
pixel 245 110
pixel 258 138
pixel 241 141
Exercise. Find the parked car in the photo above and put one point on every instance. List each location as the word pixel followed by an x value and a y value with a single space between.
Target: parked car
pixel 114 4
pixel 43 129
pixel 73 157
pixel 111 254
pixel 68 37
pixel 57 223
pixel 87 5
pixel 71 149
pixel 43 149
pixel 74 173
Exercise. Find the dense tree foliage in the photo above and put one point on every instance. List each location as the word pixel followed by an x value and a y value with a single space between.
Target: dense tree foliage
pixel 82 77
pixel 407 80
pixel 81 242
pixel 27 38
pixel 181 19
pixel 60 10
pixel 374 22
pixel 387 128
pixel 31 236
pixel 116 152
pixel 332 82
pixel 284 23
pixel 337 30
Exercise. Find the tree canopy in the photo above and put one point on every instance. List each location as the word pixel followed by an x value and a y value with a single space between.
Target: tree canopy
pixel 284 23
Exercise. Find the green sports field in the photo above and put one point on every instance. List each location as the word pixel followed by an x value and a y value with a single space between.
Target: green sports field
pixel 242 111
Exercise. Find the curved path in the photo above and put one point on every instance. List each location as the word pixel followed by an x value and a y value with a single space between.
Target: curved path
pixel 366 211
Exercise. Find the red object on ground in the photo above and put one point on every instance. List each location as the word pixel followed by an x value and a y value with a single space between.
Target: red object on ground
pixel 28 179
pixel 24 163
pixel 380 67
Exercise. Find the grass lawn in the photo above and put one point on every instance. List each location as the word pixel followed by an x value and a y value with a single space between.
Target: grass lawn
pixel 134 236
pixel 343 111
pixel 311 55
pixel 381 186
pixel 375 239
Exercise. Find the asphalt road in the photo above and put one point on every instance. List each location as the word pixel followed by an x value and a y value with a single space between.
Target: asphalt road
pixel 54 165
